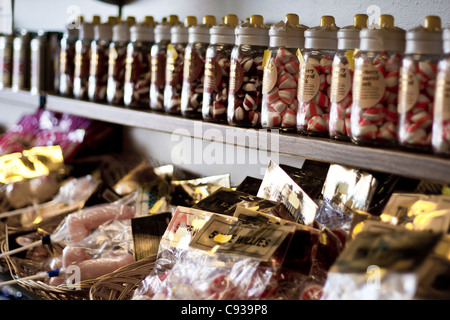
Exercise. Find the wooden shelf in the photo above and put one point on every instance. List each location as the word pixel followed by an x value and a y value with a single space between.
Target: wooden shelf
pixel 404 163
pixel 408 164
pixel 20 98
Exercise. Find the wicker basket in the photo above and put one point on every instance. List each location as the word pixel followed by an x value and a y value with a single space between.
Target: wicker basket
pixel 20 268
pixel 120 284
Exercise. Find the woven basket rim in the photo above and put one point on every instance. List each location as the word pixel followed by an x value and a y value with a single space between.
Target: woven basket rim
pixel 120 284
pixel 62 291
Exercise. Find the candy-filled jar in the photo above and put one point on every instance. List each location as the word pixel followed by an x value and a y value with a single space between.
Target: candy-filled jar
pixel 441 119
pixel 417 85
pixel 374 116
pixel 179 39
pixel 217 70
pixel 138 64
pixel 117 61
pixel 194 68
pixel 6 60
pixel 83 59
pixel 98 74
pixel 315 78
pixel 280 79
pixel 341 95
pixel 158 62
pixel 246 73
pixel 21 61
pixel 67 58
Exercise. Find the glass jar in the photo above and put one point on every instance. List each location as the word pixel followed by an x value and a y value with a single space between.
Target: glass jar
pixel 194 68
pixel 315 78
pixel 158 62
pixel 98 73
pixel 440 140
pixel 374 116
pixel 246 73
pixel 116 63
pixel 21 61
pixel 174 67
pixel 83 59
pixel 53 60
pixel 67 58
pixel 138 72
pixel 417 85
pixel 6 60
pixel 341 95
pixel 279 102
pixel 217 70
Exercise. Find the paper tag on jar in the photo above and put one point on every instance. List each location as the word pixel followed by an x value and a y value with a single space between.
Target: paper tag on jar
pixel 408 90
pixel 341 82
pixel 236 76
pixel 193 65
pixel 213 75
pixel 270 76
pixel 442 99
pixel 369 86
pixel 308 84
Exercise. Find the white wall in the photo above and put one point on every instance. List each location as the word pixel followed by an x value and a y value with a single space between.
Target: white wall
pixel 52 14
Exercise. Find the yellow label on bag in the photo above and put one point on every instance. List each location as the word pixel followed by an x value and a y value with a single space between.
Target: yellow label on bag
pixel 36 162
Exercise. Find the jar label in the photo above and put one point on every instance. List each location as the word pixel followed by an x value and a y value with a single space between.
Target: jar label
pixel 442 100
pixel 129 66
pixel 341 82
pixel 213 75
pixel 408 90
pixel 174 66
pixel 236 76
pixel 158 69
pixel 369 86
pixel 193 65
pixel 270 76
pixel 308 83
pixel 6 63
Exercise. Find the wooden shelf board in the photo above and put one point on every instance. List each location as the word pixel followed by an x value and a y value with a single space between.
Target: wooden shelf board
pixel 404 163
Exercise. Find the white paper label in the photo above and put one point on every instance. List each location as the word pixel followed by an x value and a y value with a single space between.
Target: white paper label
pixel 369 86
pixel 341 82
pixel 442 100
pixel 308 84
pixel 408 90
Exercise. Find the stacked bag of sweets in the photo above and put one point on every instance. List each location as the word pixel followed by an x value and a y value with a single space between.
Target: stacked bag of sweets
pixel 83 59
pixel 401 255
pixel 158 62
pixel 98 73
pixel 138 64
pixel 341 96
pixel 117 61
pixel 441 120
pixel 315 78
pixel 374 116
pixel 217 70
pixel 175 64
pixel 194 68
pixel 6 62
pixel 280 80
pixel 246 73
pixel 67 57
pixel 417 84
